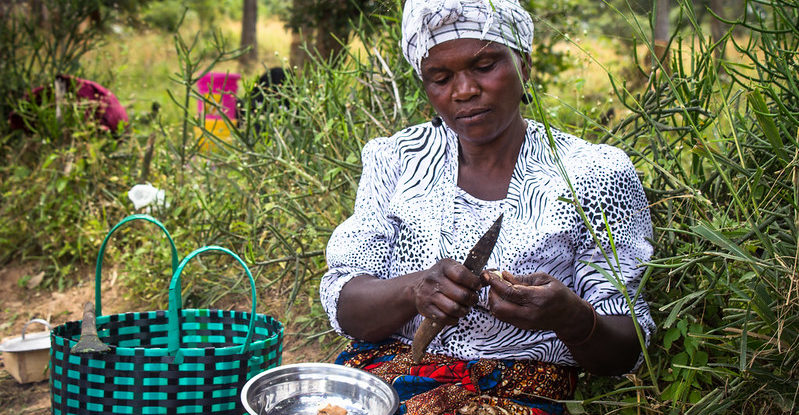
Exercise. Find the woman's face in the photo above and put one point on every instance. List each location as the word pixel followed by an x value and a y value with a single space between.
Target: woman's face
pixel 476 87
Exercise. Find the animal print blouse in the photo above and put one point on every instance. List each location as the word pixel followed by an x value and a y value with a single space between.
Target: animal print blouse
pixel 409 213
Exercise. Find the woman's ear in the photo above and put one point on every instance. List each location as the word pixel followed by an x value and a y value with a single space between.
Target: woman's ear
pixel 527 66
pixel 524 64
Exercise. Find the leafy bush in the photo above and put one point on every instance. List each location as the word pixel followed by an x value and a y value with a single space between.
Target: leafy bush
pixel 58 203
pixel 35 48
pixel 163 15
pixel 58 180
pixel 167 14
pixel 717 141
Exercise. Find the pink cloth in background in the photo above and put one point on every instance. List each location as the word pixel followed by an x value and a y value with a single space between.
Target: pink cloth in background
pixel 108 112
pixel 224 84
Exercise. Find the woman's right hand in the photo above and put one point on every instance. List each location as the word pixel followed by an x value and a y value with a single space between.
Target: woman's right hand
pixel 446 291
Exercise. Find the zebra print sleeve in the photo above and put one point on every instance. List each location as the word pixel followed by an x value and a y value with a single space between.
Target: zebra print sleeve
pixel 363 243
pixel 616 209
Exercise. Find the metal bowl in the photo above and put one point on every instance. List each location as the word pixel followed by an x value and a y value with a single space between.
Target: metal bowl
pixel 305 388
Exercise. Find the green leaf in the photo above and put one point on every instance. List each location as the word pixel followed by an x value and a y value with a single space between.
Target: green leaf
pixel 671 335
pixel 762 303
pixel 331 174
pixel 60 184
pixel 50 159
pixel 713 235
pixel 575 407
pixel 680 359
pixel 682 325
pixel 691 345
pixel 21 172
pixel 743 353
pixel 677 307
pixel 670 391
pixel 700 358
pixel 767 124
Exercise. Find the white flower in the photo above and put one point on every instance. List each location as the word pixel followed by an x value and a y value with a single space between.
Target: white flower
pixel 145 194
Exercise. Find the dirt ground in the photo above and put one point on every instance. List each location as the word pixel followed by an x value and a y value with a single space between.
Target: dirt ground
pixel 21 301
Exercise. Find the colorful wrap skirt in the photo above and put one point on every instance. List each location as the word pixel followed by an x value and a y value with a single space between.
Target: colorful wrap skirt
pixel 443 385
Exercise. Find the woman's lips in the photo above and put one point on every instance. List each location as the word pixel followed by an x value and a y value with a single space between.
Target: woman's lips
pixel 472 114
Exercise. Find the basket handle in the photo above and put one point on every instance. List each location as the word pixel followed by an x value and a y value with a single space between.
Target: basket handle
pixel 98 270
pixel 173 340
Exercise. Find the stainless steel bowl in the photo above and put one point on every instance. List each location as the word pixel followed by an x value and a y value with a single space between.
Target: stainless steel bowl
pixel 305 388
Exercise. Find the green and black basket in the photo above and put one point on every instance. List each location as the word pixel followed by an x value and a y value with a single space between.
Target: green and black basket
pixel 178 361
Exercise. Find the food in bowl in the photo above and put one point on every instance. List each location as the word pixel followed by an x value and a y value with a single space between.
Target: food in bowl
pixel 332 410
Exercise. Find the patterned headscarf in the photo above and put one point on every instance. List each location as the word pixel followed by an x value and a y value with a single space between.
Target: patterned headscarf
pixel 426 23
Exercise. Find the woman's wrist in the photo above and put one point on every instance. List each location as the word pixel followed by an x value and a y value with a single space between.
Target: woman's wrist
pixel 582 327
pixel 367 296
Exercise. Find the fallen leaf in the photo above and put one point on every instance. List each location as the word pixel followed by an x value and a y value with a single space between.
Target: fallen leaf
pixel 35 280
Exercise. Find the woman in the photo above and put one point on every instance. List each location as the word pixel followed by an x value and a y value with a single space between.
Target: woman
pixel 429 192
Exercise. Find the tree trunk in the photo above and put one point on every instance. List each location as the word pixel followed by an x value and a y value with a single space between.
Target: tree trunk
pixel 297 55
pixel 38 12
pixel 716 26
pixel 327 45
pixel 299 38
pixel 662 20
pixel 661 33
pixel 249 29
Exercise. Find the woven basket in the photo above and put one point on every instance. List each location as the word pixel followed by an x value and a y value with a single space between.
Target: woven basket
pixel 180 361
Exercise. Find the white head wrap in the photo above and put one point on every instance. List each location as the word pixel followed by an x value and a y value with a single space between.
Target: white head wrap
pixel 426 23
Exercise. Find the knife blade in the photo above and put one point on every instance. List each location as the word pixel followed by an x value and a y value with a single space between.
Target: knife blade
pixel 475 261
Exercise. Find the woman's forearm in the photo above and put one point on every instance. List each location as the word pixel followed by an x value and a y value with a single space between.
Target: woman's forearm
pixel 372 309
pixel 612 348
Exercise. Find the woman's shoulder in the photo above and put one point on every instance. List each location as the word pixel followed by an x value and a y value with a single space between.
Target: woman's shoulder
pixel 375 147
pixel 589 157
pixel 581 156
pixel 410 140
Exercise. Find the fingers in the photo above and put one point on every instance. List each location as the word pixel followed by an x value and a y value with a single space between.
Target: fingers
pixel 506 286
pixel 506 279
pixel 535 301
pixel 509 310
pixel 459 285
pixel 538 278
pixel 454 301
pixel 447 292
pixel 444 317
pixel 460 275
pixel 443 309
pixel 515 294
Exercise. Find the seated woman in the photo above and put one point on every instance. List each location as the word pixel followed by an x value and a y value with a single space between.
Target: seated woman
pixel 430 191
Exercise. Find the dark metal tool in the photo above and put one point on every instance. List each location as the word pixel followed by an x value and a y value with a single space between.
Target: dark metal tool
pixel 88 341
pixel 475 262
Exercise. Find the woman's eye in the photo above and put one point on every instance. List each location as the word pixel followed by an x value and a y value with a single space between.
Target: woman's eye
pixel 441 80
pixel 485 67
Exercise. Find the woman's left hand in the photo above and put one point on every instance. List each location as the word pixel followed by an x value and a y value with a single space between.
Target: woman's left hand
pixel 535 302
pixel 601 344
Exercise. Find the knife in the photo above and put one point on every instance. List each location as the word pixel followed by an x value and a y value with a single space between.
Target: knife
pixel 475 262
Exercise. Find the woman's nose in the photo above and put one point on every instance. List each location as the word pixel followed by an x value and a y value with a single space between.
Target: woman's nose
pixel 465 87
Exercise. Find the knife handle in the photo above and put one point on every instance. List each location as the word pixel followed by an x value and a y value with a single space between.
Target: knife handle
pixel 424 335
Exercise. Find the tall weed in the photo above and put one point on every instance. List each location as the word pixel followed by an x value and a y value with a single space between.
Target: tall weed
pixel 717 142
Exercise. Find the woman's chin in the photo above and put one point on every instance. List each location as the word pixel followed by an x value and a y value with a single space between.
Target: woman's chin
pixel 480 131
pixel 475 129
